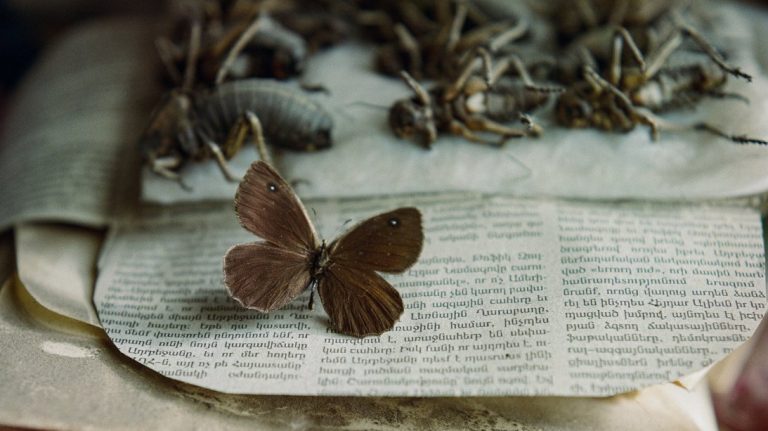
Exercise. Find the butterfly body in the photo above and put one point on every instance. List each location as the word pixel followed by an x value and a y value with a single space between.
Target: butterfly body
pixel 268 274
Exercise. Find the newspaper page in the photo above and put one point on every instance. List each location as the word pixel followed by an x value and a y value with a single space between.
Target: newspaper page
pixel 509 297
pixel 69 151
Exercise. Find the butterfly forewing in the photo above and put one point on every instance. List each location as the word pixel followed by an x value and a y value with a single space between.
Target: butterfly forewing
pixel 263 276
pixel 389 242
pixel 359 302
pixel 267 206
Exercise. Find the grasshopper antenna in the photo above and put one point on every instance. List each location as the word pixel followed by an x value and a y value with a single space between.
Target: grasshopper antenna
pixel 739 139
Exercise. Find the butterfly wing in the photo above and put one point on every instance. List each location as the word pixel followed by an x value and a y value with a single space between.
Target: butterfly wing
pixel 267 206
pixel 389 242
pixel 264 276
pixel 359 302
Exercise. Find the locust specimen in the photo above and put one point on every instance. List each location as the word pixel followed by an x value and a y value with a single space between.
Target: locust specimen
pixel 472 103
pixel 202 117
pixel 631 96
pixel 195 126
pixel 594 30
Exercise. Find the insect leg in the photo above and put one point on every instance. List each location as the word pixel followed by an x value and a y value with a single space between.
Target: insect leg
pixel 633 49
pixel 458 128
pixel 258 137
pixel 239 45
pixel 620 37
pixel 218 47
pixel 482 124
pixel 586 57
pixel 526 77
pixel 195 35
pixel 406 41
pixel 168 52
pixel 457 86
pixel 458 22
pixel 617 117
pixel 481 35
pixel 712 52
pixel 426 101
pixel 641 115
pixel 162 167
pixel 420 92
pixel 599 82
pixel 485 58
pixel 660 57
pixel 508 36
pixel 414 17
pixel 235 138
pixel 222 162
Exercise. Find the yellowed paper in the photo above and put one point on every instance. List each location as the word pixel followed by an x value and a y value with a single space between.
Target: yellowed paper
pixel 57 264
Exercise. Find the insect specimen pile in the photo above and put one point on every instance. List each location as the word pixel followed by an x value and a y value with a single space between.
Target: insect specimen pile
pixel 613 65
pixel 626 62
pixel 473 60
pixel 620 64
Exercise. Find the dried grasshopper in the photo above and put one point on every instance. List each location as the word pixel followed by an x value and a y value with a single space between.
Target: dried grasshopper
pixel 471 103
pixel 214 124
pixel 193 123
pixel 630 96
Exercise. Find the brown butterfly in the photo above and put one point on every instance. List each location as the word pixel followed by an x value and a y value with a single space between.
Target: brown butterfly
pixel 266 275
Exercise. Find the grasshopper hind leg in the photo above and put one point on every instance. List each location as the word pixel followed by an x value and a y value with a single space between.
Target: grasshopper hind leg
pixel 226 170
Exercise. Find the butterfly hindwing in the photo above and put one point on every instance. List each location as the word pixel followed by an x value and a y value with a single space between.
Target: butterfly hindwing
pixel 263 276
pixel 389 242
pixel 359 302
pixel 267 206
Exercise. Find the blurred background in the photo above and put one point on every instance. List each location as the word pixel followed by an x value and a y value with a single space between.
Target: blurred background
pixel 27 26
